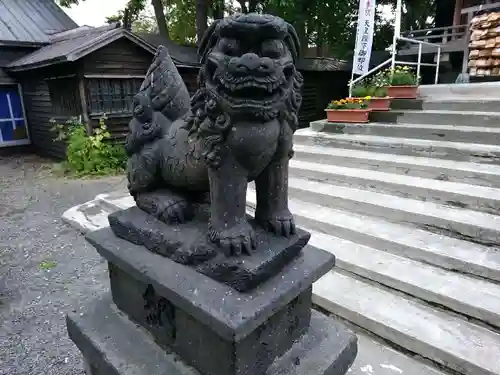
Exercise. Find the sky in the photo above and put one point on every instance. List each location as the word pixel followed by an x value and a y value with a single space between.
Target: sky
pixel 94 12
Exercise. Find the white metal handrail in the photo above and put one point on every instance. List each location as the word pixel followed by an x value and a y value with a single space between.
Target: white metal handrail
pixel 395 62
pixel 397 37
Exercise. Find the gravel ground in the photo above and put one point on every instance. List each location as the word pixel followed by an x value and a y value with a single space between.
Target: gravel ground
pixel 46 268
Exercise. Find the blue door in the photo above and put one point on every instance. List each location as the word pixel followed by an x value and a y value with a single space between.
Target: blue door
pixel 13 127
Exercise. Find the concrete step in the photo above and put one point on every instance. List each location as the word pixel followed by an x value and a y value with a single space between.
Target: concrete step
pixel 463 105
pixel 466 295
pixel 465 347
pixel 481 198
pixel 450 133
pixel 434 334
pixel 467 224
pixel 376 358
pixel 439 117
pixel 417 166
pixel 449 104
pixel 116 345
pixel 403 240
pixel 99 328
pixel 473 91
pixel 443 251
pixel 459 151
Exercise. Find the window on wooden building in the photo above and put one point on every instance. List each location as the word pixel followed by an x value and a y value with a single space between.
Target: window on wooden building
pixel 112 95
pixel 64 96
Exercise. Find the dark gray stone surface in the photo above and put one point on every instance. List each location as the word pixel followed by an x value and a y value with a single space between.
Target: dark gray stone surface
pixel 113 345
pixel 230 314
pixel 187 243
pixel 238 128
pixel 197 343
pixel 116 346
pixel 328 348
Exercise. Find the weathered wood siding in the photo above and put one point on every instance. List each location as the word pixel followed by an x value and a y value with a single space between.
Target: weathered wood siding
pixel 190 77
pixel 7 55
pixel 39 108
pixel 124 58
pixel 319 89
pixel 121 57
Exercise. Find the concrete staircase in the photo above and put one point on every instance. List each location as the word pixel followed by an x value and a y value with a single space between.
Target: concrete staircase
pixel 410 205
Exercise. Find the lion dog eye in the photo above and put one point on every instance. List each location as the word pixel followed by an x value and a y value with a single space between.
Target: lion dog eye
pixel 272 48
pixel 230 47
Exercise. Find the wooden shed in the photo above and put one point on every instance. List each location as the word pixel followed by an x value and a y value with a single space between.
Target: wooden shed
pixel 84 72
pixel 25 26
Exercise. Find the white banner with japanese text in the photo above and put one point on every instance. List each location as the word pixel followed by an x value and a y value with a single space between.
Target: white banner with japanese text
pixel 364 36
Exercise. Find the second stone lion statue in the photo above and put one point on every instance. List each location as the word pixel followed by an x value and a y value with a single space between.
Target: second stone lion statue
pixel 237 128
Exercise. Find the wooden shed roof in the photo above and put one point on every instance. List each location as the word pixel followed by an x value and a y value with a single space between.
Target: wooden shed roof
pixel 74 44
pixel 181 54
pixel 31 22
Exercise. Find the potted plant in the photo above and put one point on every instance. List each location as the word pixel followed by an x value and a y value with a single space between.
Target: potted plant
pixel 348 110
pixel 402 82
pixel 377 97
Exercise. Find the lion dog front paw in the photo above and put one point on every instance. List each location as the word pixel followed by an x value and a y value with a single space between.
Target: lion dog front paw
pixel 237 240
pixel 282 223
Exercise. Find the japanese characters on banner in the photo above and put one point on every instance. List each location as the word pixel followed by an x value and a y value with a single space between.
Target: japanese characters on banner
pixel 364 36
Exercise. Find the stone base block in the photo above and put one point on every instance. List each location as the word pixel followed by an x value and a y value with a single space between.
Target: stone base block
pixel 113 345
pixel 210 325
pixel 188 244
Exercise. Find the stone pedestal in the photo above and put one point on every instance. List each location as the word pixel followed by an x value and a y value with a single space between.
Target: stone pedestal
pixel 167 318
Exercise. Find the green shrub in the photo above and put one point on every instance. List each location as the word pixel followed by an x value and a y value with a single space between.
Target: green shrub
pixel 368 89
pixel 399 76
pixel 90 154
pixel 360 91
pixel 378 92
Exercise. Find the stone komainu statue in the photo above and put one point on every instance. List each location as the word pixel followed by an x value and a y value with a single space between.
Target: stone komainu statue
pixel 238 127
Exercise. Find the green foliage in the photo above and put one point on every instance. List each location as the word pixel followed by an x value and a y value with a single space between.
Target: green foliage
pixel 360 91
pixel 90 155
pixel 402 76
pixel 348 103
pixel 329 25
pixel 181 17
pixel 68 3
pixel 47 264
pixel 399 76
pixel 379 92
pixel 368 89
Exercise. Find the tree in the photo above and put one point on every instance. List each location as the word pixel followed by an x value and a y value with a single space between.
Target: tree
pixel 201 18
pixel 217 8
pixel 133 9
pixel 327 25
pixel 160 17
pixel 182 21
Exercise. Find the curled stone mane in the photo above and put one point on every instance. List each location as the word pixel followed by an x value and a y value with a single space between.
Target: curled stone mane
pixel 210 123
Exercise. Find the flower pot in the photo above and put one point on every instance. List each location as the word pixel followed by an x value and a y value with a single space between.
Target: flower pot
pixel 379 104
pixel 347 115
pixel 402 92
